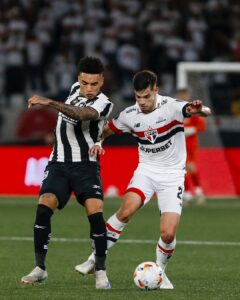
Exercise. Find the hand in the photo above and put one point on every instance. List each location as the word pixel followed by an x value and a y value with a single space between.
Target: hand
pixel 37 100
pixel 194 107
pixel 96 150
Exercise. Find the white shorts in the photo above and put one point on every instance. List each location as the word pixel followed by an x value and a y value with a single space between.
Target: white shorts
pixel 168 188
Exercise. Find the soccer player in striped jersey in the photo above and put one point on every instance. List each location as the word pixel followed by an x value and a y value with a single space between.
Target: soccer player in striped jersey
pixel 71 169
pixel 157 123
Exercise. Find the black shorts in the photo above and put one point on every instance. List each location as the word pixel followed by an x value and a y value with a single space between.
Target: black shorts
pixel 82 178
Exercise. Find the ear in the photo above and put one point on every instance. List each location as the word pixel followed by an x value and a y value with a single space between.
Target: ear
pixel 156 89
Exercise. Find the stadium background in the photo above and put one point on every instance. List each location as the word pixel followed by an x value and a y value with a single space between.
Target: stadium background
pixel 42 41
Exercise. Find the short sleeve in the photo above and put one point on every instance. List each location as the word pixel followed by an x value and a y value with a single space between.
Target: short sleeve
pixel 103 106
pixel 119 123
pixel 179 107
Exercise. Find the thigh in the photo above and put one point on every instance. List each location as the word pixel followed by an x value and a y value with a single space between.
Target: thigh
pixel 141 184
pixel 56 182
pixel 170 192
pixel 86 182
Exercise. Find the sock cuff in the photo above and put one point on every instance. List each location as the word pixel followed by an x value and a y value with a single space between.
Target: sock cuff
pixel 167 248
pixel 114 224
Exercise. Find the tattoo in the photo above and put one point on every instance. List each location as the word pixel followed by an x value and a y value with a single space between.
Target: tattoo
pixel 75 112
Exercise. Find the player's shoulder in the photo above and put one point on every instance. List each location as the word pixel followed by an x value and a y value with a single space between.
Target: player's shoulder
pixel 130 110
pixel 165 100
pixel 102 97
pixel 74 88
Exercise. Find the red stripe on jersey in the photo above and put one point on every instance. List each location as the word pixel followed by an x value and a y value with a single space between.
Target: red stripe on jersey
pixel 165 250
pixel 137 191
pixel 113 127
pixel 160 129
pixel 110 228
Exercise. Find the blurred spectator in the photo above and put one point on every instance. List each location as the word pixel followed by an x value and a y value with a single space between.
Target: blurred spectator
pixel 35 64
pixel 35 126
pixel 39 38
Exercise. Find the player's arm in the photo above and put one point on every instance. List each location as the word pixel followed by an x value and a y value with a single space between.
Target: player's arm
pixel 97 148
pixel 73 112
pixel 196 108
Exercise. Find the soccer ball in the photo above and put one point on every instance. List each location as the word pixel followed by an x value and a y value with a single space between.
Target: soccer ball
pixel 148 276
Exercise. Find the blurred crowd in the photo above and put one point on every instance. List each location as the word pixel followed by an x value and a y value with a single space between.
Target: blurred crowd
pixel 41 42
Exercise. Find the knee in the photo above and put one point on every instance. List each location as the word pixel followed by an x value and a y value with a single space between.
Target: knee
pixel 49 200
pixel 167 236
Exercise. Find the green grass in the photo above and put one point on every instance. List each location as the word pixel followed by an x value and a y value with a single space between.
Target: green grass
pixel 197 271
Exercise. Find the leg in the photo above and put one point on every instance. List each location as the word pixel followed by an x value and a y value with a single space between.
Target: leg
pixel 98 235
pixel 196 183
pixel 171 188
pixel 115 224
pixel 188 195
pixel 167 242
pixel 137 194
pixel 42 232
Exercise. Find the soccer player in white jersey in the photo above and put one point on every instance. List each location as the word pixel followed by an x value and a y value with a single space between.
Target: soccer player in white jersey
pixel 157 123
pixel 71 169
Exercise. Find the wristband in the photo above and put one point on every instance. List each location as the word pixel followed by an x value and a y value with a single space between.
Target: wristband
pixel 99 143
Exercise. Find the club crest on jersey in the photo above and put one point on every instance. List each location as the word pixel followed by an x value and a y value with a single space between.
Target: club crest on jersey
pixel 151 135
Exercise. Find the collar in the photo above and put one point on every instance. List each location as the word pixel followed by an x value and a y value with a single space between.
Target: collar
pixel 157 104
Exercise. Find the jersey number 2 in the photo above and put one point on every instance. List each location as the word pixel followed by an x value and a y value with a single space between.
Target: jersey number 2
pixel 180 191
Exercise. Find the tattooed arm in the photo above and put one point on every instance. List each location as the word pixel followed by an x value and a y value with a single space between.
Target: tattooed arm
pixel 74 112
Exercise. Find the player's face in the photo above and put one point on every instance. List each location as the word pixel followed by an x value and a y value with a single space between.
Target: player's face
pixel 90 84
pixel 146 99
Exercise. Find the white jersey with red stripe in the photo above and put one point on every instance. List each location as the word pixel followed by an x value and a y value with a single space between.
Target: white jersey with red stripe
pixel 160 134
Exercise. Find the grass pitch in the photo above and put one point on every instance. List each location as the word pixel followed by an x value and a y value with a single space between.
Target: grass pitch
pixel 206 263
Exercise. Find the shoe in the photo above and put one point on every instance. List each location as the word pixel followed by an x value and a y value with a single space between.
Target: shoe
pixel 166 283
pixel 88 267
pixel 102 280
pixel 37 275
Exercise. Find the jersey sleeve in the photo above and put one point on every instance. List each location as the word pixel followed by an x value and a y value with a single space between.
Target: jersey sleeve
pixel 179 107
pixel 103 106
pixel 119 123
pixel 74 88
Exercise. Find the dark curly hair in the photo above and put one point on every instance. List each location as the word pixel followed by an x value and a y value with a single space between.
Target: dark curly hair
pixel 90 65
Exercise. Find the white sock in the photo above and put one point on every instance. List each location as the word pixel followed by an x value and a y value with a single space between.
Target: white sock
pixel 164 252
pixel 114 229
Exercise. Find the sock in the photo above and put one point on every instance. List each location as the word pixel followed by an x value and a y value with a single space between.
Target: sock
pixel 98 236
pixel 114 229
pixel 164 252
pixel 42 234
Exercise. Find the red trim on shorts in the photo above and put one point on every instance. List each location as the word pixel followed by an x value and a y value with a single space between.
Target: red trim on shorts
pixel 113 127
pixel 165 250
pixel 137 191
pixel 110 228
pixel 160 129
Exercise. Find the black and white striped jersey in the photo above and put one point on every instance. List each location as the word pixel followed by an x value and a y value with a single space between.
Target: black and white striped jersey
pixel 73 138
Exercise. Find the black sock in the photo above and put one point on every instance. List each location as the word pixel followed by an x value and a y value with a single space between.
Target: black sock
pixel 99 236
pixel 42 234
